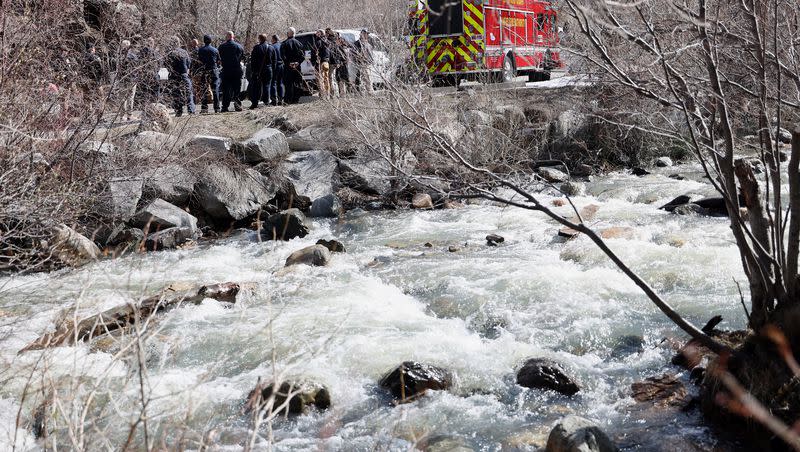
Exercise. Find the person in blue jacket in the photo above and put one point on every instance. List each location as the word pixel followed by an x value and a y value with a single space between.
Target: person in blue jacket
pixel 231 54
pixel 276 88
pixel 209 74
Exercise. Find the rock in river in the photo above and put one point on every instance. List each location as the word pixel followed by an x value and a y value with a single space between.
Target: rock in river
pixel 542 373
pixel 314 256
pixel 328 206
pixel 301 397
pixel 411 379
pixel 576 434
pixel 334 246
pixel 286 225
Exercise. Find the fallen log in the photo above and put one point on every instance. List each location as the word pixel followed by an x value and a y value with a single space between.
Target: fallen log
pixel 125 315
pixel 587 214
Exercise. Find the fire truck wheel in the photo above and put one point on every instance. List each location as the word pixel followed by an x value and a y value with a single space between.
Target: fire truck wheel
pixel 509 71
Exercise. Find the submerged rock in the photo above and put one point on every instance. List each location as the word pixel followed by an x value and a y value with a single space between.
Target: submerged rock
pixel 411 380
pixel 665 390
pixel 286 225
pixel 290 398
pixel 542 373
pixel 690 210
pixel 577 434
pixel 314 256
pixel 446 443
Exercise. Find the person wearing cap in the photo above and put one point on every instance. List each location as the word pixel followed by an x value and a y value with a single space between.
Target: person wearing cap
pixel 293 55
pixel 178 65
pixel 323 64
pixel 149 79
pixel 231 54
pixel 209 74
pixel 363 60
pixel 276 89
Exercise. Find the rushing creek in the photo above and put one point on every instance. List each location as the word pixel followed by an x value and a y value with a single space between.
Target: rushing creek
pixel 478 312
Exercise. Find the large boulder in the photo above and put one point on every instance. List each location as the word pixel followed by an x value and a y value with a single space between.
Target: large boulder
pixel 211 145
pixel 542 373
pixel 410 380
pixel 71 248
pixel 328 206
pixel 120 197
pixel 159 214
pixel 172 183
pixel 267 144
pixel 232 193
pixel 313 256
pixel 313 173
pixel 322 137
pixel 292 397
pixel 576 434
pixel 371 172
pixel 286 225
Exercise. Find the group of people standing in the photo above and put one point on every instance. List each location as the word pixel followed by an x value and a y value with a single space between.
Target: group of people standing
pixel 204 74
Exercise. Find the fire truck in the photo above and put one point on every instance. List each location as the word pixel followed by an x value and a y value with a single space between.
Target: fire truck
pixel 455 39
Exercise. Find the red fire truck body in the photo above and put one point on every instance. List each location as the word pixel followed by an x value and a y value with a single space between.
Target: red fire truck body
pixel 464 37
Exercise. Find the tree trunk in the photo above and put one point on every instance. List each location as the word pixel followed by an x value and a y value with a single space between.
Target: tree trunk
pixel 793 247
pixel 249 33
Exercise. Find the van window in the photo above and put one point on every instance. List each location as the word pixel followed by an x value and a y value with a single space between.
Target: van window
pixel 446 17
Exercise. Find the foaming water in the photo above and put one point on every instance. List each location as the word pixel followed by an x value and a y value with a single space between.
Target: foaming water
pixel 479 311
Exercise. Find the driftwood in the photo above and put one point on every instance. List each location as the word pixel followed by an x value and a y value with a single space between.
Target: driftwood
pixel 69 332
pixel 587 214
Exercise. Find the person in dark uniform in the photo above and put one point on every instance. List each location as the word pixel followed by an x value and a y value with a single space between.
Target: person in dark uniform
pixel 178 65
pixel 209 74
pixel 262 59
pixel 149 81
pixel 276 90
pixel 231 54
pixel 293 55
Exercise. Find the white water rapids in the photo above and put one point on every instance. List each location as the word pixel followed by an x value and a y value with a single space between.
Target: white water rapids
pixel 478 312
